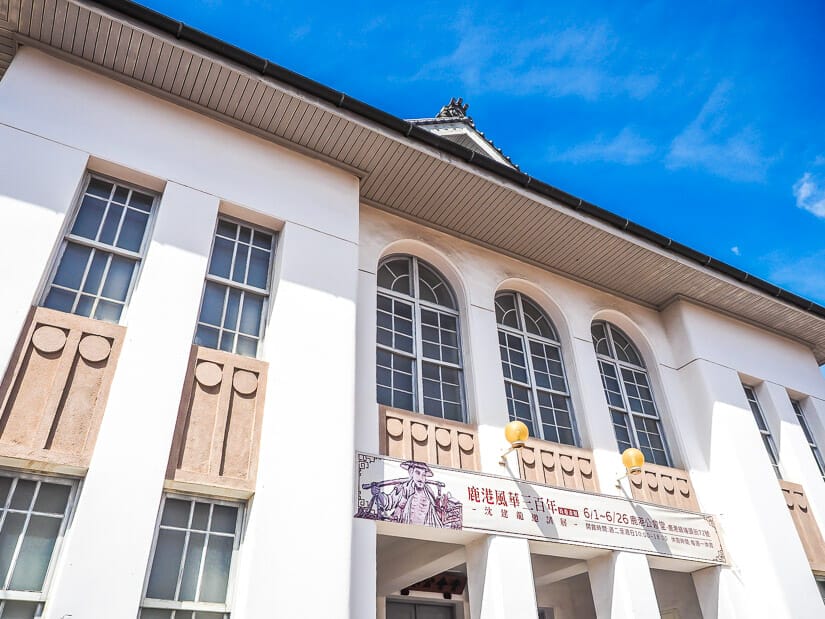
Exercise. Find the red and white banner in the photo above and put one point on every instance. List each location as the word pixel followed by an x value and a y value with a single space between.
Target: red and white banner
pixel 417 493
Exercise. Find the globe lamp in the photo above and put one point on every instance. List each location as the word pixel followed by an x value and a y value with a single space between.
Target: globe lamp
pixel 516 433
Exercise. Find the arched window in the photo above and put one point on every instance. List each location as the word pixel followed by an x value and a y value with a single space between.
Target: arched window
pixel 534 379
pixel 419 352
pixel 629 396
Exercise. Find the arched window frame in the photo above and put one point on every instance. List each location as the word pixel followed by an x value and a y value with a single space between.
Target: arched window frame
pixel 509 337
pixel 622 413
pixel 422 401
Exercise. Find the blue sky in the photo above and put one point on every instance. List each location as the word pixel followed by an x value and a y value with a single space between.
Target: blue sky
pixel 702 121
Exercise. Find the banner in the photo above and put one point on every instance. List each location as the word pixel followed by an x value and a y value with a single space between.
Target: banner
pixel 413 492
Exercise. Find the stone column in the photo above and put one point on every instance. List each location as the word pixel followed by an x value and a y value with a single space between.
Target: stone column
pixel 622 586
pixel 500 578
pixel 110 537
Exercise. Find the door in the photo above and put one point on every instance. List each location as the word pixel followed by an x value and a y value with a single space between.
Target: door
pixel 415 610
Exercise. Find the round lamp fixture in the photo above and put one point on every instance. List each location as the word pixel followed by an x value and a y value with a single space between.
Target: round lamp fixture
pixel 633 461
pixel 516 433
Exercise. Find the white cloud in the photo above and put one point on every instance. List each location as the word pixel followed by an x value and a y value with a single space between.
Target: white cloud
pixel 809 192
pixel 574 61
pixel 626 148
pixel 710 143
pixel 735 250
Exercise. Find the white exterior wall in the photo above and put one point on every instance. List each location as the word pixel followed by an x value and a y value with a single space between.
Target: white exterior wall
pixel 689 352
pixel 54 118
pixel 320 345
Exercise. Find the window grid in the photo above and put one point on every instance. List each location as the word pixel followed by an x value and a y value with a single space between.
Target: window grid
pixel 236 291
pixel 185 600
pixel 534 378
pixel 809 436
pixel 102 251
pixel 633 412
pixel 419 364
pixel 32 525
pixel 764 431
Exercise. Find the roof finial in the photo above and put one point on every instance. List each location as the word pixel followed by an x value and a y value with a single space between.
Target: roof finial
pixel 456 108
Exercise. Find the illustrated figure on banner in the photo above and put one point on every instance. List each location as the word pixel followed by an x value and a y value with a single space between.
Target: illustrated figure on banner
pixel 413 500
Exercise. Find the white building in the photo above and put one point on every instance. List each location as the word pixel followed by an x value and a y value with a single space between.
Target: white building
pixel 226 287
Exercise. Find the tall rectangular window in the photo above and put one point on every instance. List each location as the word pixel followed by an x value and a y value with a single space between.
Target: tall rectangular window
pixel 233 308
pixel 32 521
pixel 809 436
pixel 767 439
pixel 102 251
pixel 191 563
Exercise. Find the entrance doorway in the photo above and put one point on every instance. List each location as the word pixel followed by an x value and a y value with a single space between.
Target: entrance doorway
pixel 420 610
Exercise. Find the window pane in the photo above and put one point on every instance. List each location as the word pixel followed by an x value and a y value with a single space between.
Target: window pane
pixel 58 299
pixel 19 610
pixel 111 221
pixel 155 613
pixel 106 310
pixel 131 234
pixel 224 518
pixel 432 288
pixel 200 516
pixel 251 317
pixel 506 310
pixel 263 240
pixel 221 262
pixel 227 229
pixel 192 566
pixel 395 275
pixel 536 322
pixel 89 217
pixel 23 494
pixel 206 336
pixel 216 569
pixel 95 274
pixel 141 201
pixel 9 537
pixel 230 317
pixel 52 498
pixel 176 513
pixel 118 278
pixel 5 486
pixel 258 268
pixel 241 258
pixel 246 346
pixel 163 577
pixel 72 266
pixel 99 187
pixel 212 306
pixel 35 553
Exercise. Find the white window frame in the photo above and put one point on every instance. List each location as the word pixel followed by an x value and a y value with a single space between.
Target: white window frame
pixel 767 437
pixel 809 435
pixel 207 607
pixel 67 236
pixel 531 385
pixel 221 281
pixel 41 596
pixel 627 410
pixel 417 355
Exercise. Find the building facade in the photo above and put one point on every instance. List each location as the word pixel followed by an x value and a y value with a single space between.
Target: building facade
pixel 260 342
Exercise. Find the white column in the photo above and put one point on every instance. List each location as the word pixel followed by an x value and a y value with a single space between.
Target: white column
pixel 300 530
pixel 720 595
pixel 39 180
pixel 489 402
pixel 104 558
pixel 500 579
pixel 363 573
pixel 593 417
pixel 622 587
pixel 798 464
pixel 739 485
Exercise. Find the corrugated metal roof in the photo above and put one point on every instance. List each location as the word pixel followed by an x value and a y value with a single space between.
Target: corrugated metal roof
pixel 404 169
